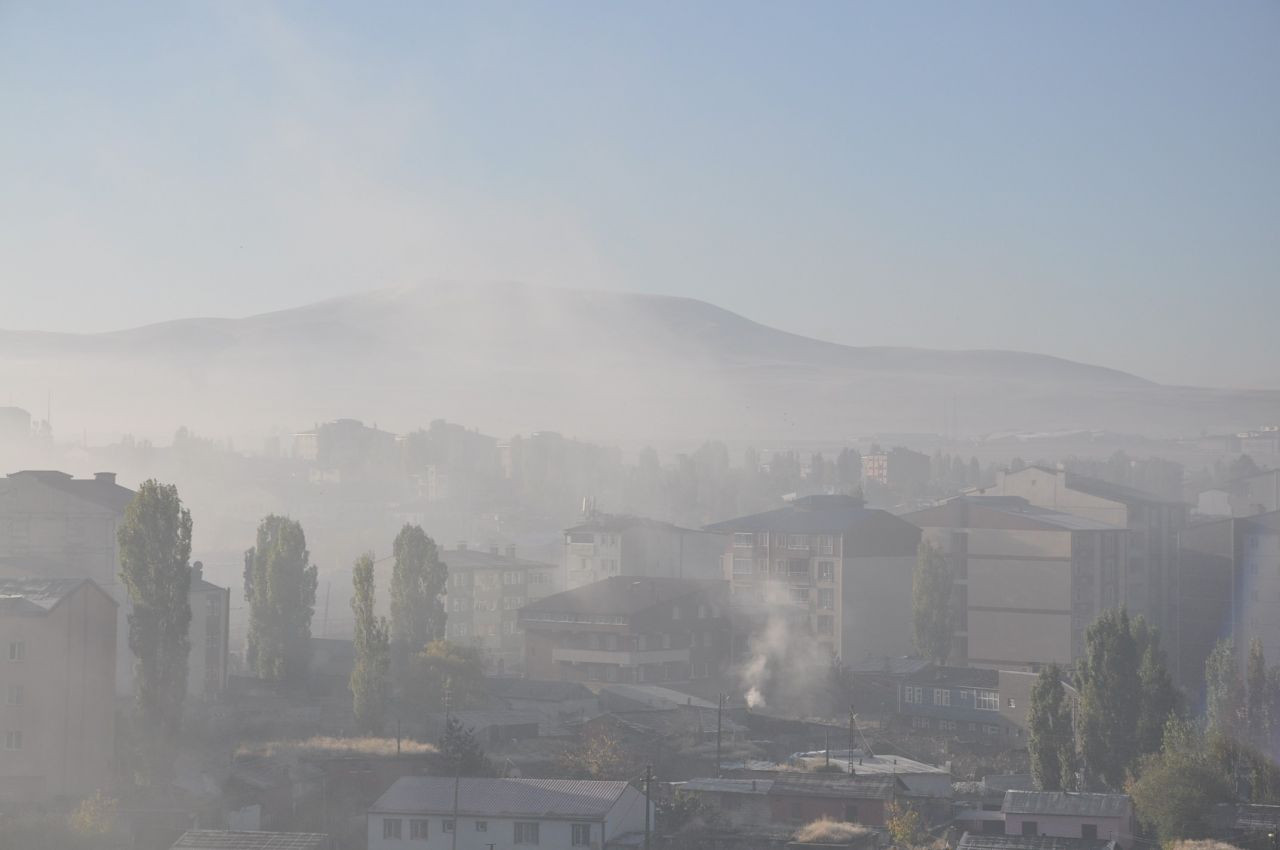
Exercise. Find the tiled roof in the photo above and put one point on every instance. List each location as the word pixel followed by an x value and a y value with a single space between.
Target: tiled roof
pixel 215 839
pixel 831 785
pixel 971 841
pixel 618 595
pixel 534 798
pixel 868 531
pixel 35 595
pixel 1066 803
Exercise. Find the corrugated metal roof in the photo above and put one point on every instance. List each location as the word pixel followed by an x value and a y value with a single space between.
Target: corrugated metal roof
pixel 534 798
pixel 712 785
pixel 971 841
pixel 845 787
pixel 213 839
pixel 1066 803
pixel 35 596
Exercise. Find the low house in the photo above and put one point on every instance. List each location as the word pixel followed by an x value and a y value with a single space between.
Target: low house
pixel 972 841
pixel 741 802
pixel 504 813
pixel 492 728
pixel 1069 814
pixel 221 839
pixel 799 798
pixel 556 702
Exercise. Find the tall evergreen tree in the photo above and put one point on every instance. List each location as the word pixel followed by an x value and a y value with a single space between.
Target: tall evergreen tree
pixel 1259 709
pixel 1159 698
pixel 1109 702
pixel 369 684
pixel 280 586
pixel 1053 743
pixel 931 585
pixel 155 547
pixel 460 752
pixel 1225 708
pixel 418 579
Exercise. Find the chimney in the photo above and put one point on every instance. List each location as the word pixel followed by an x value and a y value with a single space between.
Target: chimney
pixel 462 545
pixel 493 548
pixel 511 551
pixel 105 477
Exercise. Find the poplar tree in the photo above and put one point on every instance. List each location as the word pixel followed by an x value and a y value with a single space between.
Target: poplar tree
pixel 1052 744
pixel 418 578
pixel 1159 699
pixel 373 652
pixel 155 549
pixel 280 586
pixel 1224 691
pixel 931 585
pixel 1109 700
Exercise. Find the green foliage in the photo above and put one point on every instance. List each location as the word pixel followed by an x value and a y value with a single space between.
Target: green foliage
pixel 155 547
pixel 418 579
pixel 598 755
pixel 1158 698
pixel 369 683
pixel 95 816
pixel 904 824
pixel 1253 775
pixel 1109 700
pixel 931 585
pixel 1178 787
pixel 280 585
pixel 1224 691
pixel 460 753
pixel 441 668
pixel 1052 744
pixel 683 811
pixel 1260 698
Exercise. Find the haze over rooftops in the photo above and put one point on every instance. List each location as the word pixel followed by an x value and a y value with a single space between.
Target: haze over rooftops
pixel 868 531
pixel 101 490
pixel 533 798
pixel 23 595
pixel 1000 512
pixel 622 522
pixel 619 595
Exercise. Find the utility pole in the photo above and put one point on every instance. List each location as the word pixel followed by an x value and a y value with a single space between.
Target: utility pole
pixel 648 780
pixel 324 626
pixel 853 725
pixel 719 726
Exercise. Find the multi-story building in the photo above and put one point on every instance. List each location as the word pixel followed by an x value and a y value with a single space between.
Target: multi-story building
pixel 1028 580
pixel 954 701
pixel 607 545
pixel 486 590
pixel 1254 494
pixel 900 469
pixel 57 681
pixel 210 635
pixel 1151 575
pixel 53 525
pixel 441 813
pixel 830 560
pixel 1230 576
pixel 625 629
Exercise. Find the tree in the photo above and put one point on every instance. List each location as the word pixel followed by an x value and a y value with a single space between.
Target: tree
pixel 155 548
pixel 95 816
pixel 1178 787
pixel 1259 719
pixel 1109 702
pixel 904 824
pixel 1052 744
pixel 280 585
pixel 460 753
pixel 598 755
pixel 931 586
pixel 418 578
pixel 369 683
pixel 1224 691
pixel 1159 699
pixel 445 668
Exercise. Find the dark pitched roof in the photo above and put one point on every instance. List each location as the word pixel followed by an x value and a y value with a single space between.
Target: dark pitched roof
pixel 1004 512
pixel 1066 803
pixel 217 839
pixel 839 786
pixel 622 522
pixel 619 595
pixel 972 841
pixel 536 690
pixel 970 677
pixel 536 798
pixel 23 596
pixel 1115 492
pixel 867 531
pixel 102 490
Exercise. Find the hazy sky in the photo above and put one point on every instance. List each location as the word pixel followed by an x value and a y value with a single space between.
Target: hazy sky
pixel 1098 180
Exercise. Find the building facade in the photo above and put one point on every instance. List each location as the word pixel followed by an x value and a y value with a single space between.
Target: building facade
pixel 1028 580
pixel 441 813
pixel 57 681
pixel 839 567
pixel 899 469
pixel 629 630
pixel 606 545
pixel 486 591
pixel 1070 814
pixel 954 702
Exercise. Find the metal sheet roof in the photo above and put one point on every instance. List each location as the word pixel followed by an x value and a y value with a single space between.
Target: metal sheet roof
pixel 533 798
pixel 712 785
pixel 1066 803
pixel 213 839
pixel 971 841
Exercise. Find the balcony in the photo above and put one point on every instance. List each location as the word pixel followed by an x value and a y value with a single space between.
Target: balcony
pixel 623 658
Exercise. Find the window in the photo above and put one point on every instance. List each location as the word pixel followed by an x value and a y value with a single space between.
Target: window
pixel 581 835
pixel 17 651
pixel 826 571
pixel 826 624
pixel 482 826
pixel 14 695
pixel 742 538
pixel 919 723
pixel 1012 704
pixel 989 729
pixel 762 538
pixel 447 825
pixel 946 726
pixel 826 544
pixel 675 612
pixel 912 695
pixel 826 599
pixel 418 829
pixel 391 829
pixel 798 568
pixel 582 537
pixel 800 595
pixel 1088 830
pixel 987 700
pixel 941 696
pixel 1030 827
pixel 795 541
pixel 742 566
pixel 526 833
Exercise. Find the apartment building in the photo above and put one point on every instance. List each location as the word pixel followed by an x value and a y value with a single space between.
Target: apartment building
pixel 625 629
pixel 57 680
pixel 53 525
pixel 605 545
pixel 1151 587
pixel 1028 580
pixel 210 634
pixel 831 561
pixel 900 469
pixel 486 590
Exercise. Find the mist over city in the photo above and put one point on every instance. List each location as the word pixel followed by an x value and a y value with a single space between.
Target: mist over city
pixel 639 427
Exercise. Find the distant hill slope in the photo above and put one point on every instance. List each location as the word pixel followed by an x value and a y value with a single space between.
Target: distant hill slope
pixel 509 357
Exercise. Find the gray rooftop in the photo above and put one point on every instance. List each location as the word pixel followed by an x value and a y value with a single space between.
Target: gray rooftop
pixel 36 596
pixel 216 839
pixel 970 841
pixel 713 785
pixel 533 798
pixel 1066 803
